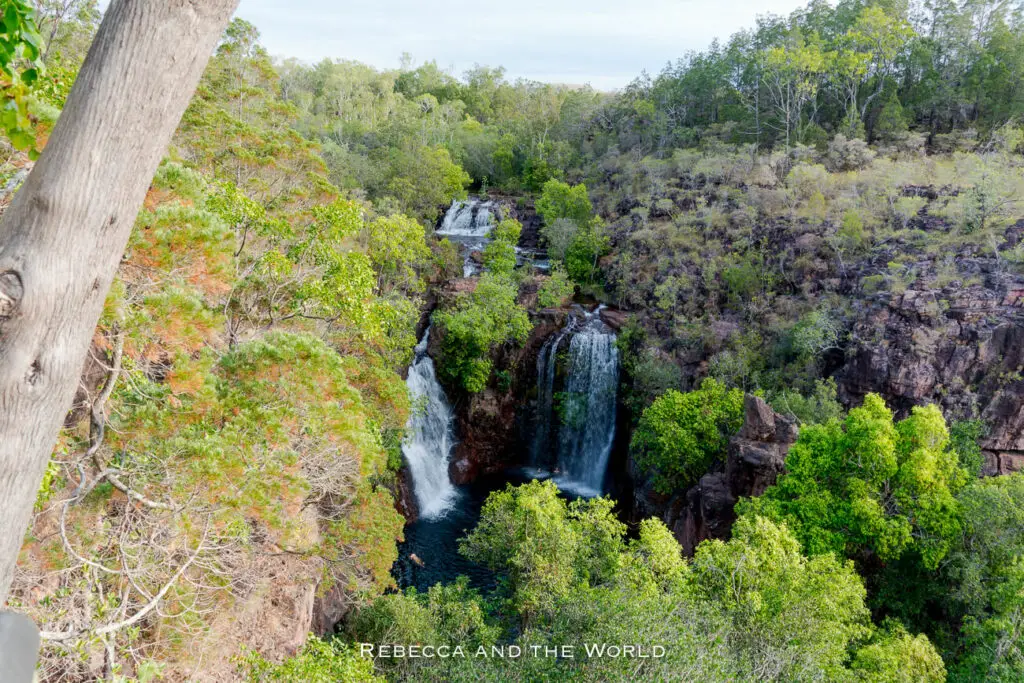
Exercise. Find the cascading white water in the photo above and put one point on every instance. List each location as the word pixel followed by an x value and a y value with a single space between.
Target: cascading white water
pixel 429 443
pixel 534 258
pixel 588 407
pixel 547 362
pixel 471 218
pixel 582 438
pixel 469 223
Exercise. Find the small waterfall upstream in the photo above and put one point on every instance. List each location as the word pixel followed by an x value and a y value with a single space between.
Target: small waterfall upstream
pixel 429 444
pixel 575 427
pixel 469 223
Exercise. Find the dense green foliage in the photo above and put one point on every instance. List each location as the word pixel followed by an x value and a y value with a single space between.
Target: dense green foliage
pixel 475 324
pixel 572 235
pixel 545 549
pixel 405 136
pixel 20 66
pixel 556 289
pixel 867 484
pixel 499 256
pixel 318 662
pixel 752 608
pixel 680 436
pixel 819 407
pixel 963 438
pixel 560 201
pixel 588 245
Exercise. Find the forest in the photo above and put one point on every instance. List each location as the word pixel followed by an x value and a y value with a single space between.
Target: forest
pixel 727 362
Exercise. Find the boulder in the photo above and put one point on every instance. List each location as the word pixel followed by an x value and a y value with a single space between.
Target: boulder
pixel 614 318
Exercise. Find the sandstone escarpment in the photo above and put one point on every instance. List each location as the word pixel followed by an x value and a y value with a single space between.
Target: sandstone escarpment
pixel 960 347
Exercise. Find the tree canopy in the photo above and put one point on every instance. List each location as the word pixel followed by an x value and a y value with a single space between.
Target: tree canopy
pixel 869 484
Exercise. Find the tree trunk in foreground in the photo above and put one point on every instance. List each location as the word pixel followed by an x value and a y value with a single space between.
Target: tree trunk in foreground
pixel 63 236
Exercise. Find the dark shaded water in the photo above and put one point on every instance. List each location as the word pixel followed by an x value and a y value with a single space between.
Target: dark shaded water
pixel 436 541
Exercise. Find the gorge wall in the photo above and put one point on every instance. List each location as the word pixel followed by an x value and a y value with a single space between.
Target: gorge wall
pixel 961 347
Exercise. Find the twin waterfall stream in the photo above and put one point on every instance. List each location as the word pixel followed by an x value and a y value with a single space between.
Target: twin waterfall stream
pixel 571 423
pixel 583 414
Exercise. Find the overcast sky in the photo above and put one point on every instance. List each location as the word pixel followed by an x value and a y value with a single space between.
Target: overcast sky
pixel 602 42
pixel 606 43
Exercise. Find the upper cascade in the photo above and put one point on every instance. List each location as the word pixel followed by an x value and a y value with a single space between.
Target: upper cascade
pixel 469 223
pixel 470 218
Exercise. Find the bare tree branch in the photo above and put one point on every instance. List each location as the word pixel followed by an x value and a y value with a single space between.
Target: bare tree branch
pixel 138 616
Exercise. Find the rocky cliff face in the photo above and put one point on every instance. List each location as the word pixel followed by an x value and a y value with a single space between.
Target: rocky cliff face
pixel 960 347
pixel 489 422
pixel 755 458
pixel 930 314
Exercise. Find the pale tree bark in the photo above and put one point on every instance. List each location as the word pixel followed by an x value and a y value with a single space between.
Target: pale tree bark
pixel 63 236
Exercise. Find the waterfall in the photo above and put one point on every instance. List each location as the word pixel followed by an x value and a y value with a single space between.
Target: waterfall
pixel 585 407
pixel 547 362
pixel 588 406
pixel 430 436
pixel 469 223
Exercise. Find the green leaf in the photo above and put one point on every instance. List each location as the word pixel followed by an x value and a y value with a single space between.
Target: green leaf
pixel 12 21
pixel 22 140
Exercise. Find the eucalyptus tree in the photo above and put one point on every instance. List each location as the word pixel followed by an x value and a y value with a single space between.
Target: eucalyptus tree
pixel 64 234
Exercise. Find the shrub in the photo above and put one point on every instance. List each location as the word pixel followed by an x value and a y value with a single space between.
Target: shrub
pixel 556 289
pixel 963 438
pixel 806 180
pixel 873 284
pixel 318 662
pixel 654 374
pixel 589 245
pixel 848 154
pixel 499 255
pixel 475 325
pixel 814 334
pixel 891 124
pixel 851 235
pixel 742 277
pixel 560 200
pixel 558 236
pixel 680 436
pixel 819 407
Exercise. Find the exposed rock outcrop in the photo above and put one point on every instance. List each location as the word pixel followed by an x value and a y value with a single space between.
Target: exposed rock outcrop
pixel 960 347
pixel 614 318
pixel 755 459
pixel 405 500
pixel 486 431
